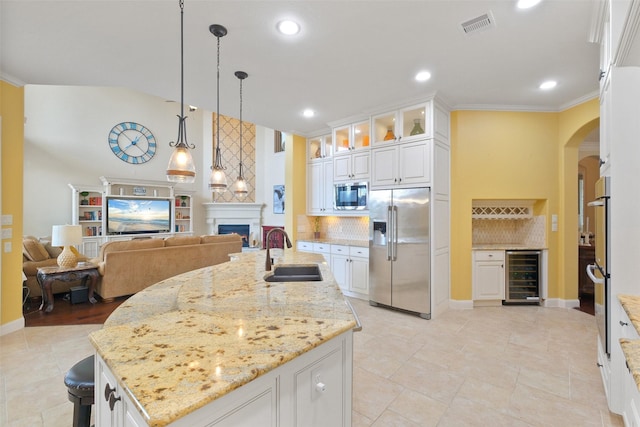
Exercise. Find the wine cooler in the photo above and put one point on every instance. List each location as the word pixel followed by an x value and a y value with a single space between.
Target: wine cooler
pixel 523 277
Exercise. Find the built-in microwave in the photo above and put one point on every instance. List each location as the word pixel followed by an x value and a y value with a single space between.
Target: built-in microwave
pixel 350 196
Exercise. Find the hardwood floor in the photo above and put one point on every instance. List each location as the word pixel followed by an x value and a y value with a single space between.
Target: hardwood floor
pixel 65 313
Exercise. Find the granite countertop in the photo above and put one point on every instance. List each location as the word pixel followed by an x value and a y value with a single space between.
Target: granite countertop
pixel 348 242
pixel 631 347
pixel 188 340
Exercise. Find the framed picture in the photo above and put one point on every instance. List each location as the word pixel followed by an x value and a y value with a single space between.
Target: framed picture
pixel 278 199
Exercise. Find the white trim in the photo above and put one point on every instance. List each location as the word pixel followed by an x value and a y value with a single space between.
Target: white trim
pixel 460 304
pixel 13 326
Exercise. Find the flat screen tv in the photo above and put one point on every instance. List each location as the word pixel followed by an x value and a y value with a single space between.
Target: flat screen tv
pixel 131 215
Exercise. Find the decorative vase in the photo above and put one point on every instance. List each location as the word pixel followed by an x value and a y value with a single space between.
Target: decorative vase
pixel 389 136
pixel 417 129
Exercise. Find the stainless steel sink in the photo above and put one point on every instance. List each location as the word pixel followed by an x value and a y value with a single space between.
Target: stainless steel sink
pixel 295 273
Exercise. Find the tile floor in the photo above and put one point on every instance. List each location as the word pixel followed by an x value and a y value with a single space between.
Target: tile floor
pixel 502 366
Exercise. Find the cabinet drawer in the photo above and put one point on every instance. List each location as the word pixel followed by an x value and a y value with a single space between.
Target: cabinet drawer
pixel 305 246
pixel 488 255
pixel 323 248
pixel 358 251
pixel 340 249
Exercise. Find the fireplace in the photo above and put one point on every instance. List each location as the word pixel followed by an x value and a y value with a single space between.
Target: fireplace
pixel 242 229
pixel 250 214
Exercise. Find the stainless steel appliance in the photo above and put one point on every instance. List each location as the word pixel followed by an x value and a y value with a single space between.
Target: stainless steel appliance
pixel 399 250
pixel 522 279
pixel 600 273
pixel 350 196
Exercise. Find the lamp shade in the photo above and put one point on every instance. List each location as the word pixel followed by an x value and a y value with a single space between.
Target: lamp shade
pixel 66 235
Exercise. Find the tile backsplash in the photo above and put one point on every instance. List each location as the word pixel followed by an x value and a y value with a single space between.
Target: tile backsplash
pixel 529 232
pixel 333 227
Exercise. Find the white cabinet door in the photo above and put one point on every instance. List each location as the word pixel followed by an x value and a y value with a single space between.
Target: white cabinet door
pixel 340 270
pixel 488 275
pixel 414 163
pixel 320 188
pixel 360 276
pixel 353 166
pixel 320 393
pixel 105 387
pixel 383 166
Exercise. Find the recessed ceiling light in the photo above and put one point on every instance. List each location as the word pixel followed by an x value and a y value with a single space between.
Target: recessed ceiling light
pixel 526 4
pixel 288 27
pixel 423 76
pixel 308 113
pixel 549 84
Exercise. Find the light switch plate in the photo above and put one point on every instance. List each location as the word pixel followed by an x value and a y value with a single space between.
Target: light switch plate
pixel 7 233
pixel 7 219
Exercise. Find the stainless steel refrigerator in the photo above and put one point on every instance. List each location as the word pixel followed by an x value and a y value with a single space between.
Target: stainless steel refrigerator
pixel 399 250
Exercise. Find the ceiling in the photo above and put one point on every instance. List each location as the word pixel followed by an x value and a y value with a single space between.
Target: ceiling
pixel 351 57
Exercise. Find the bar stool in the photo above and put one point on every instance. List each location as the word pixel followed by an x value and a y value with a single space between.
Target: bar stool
pixel 80 383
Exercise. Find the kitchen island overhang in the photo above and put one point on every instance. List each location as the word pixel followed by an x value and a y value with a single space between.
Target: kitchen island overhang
pixel 189 340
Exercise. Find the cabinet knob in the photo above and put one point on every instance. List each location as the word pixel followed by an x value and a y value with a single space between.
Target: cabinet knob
pixel 623 323
pixel 599 365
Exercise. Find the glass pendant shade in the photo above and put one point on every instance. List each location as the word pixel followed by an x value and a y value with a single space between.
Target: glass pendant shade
pixel 181 167
pixel 240 188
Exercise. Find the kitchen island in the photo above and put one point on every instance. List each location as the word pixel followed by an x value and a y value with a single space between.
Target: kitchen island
pixel 221 346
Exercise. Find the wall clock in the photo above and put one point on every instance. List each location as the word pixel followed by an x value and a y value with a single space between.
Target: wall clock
pixel 132 143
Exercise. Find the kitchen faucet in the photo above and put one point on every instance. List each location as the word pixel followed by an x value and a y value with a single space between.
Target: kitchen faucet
pixel 286 236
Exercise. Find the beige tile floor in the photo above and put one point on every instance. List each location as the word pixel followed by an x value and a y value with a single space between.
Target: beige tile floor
pixel 502 366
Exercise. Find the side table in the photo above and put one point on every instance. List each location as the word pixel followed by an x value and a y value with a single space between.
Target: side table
pixel 47 275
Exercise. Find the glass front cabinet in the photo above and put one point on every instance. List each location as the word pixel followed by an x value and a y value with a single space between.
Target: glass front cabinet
pixel 351 137
pixel 407 124
pixel 319 147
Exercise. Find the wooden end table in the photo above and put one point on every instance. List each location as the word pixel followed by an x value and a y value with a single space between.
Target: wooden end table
pixel 47 275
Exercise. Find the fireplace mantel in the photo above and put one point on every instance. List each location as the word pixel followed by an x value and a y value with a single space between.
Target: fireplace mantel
pixel 235 213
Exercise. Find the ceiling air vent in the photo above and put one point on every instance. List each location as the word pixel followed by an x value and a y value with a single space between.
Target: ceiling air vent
pixel 480 23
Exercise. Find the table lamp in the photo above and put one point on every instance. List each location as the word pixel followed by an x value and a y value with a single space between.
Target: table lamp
pixel 66 236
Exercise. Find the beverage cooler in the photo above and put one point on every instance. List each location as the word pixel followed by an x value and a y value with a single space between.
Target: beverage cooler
pixel 522 281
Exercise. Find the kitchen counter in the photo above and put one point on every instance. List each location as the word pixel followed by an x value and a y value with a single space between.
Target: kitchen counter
pixel 346 242
pixel 183 343
pixel 506 247
pixel 631 347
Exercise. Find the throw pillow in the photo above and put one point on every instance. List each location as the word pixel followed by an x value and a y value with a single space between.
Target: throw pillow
pixel 53 251
pixel 34 250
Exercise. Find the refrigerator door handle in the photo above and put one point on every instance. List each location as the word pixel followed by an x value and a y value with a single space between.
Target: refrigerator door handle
pixel 394 248
pixel 389 232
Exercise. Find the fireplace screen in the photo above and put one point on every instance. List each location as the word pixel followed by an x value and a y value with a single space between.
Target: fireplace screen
pixel 241 229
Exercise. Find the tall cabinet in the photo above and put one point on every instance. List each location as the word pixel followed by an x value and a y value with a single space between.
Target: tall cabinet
pixel 619 37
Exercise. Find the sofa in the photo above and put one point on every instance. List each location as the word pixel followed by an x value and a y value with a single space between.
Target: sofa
pixel 36 253
pixel 127 267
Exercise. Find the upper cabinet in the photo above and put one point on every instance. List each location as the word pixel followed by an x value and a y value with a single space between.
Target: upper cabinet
pixel 319 147
pixel 350 137
pixel 407 124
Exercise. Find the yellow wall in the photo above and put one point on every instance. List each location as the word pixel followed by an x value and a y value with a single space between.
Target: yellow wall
pixel 295 187
pixel 518 155
pixel 11 145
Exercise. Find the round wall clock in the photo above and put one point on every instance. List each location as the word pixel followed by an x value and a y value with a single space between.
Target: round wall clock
pixel 132 143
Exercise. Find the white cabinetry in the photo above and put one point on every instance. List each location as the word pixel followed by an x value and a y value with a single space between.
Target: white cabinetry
pixel 351 147
pixel 488 275
pixel 312 390
pixel 320 187
pixel 86 211
pixel 113 406
pixel 407 164
pixel 350 268
pixel 319 147
pixel 406 124
pixel 352 167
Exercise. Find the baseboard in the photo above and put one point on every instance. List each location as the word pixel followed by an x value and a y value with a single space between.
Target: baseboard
pixel 16 325
pixel 550 302
pixel 561 303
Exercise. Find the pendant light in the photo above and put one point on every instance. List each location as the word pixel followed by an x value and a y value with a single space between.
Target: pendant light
pixel 181 167
pixel 240 186
pixel 218 178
